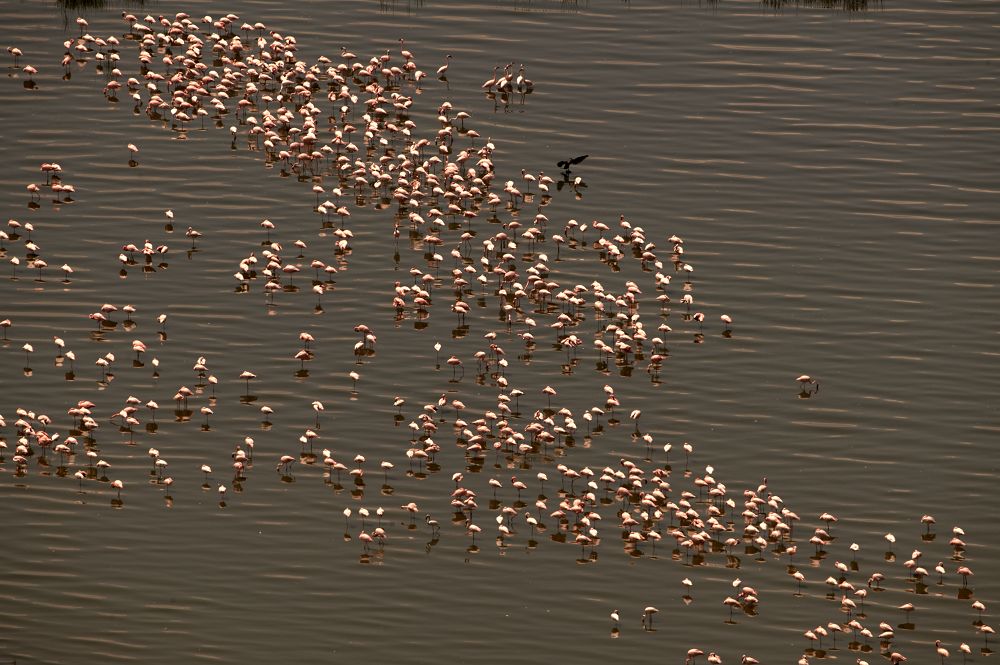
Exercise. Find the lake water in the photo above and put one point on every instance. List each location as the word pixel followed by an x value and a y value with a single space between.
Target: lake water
pixel 833 173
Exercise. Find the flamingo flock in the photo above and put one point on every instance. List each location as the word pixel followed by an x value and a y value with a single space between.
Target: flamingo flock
pixel 348 128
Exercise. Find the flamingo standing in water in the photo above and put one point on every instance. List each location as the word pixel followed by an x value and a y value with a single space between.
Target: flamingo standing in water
pixel 647 617
pixel 492 81
pixel 444 68
pixel 805 379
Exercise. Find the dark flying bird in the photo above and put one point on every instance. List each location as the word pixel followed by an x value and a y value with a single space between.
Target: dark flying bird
pixel 571 162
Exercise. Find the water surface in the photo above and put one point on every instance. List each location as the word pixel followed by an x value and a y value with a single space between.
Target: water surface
pixel 833 175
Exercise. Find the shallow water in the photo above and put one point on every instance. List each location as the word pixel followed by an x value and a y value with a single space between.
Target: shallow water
pixel 834 177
